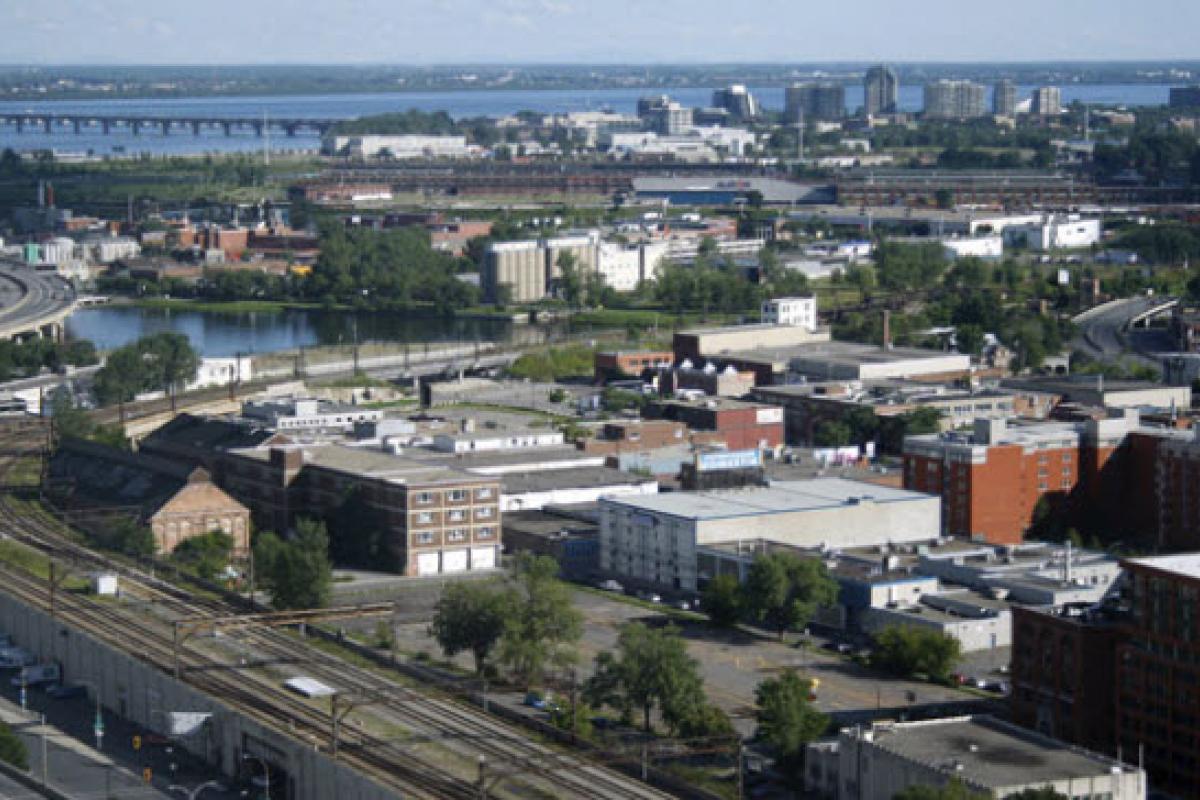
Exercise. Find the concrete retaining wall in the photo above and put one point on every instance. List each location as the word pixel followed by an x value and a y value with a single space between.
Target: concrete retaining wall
pixel 143 694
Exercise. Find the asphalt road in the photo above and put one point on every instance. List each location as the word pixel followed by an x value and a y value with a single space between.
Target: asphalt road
pixel 46 295
pixel 77 769
pixel 1103 337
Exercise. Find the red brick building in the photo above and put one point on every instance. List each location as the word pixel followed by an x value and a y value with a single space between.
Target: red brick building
pixel 742 425
pixel 1158 671
pixel 629 363
pixel 639 435
pixel 1063 671
pixel 993 480
pixel 1124 678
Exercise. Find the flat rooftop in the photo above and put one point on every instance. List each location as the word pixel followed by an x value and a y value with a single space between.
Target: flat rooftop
pixel 370 463
pixel 573 478
pixel 779 498
pixel 991 753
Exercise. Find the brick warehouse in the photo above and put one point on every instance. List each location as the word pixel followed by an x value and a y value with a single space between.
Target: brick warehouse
pixel 743 425
pixel 1124 677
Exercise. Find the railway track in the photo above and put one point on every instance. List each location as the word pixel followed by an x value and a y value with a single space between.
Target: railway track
pixel 525 767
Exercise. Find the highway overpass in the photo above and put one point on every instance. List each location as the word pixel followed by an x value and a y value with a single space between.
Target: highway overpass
pixel 33 304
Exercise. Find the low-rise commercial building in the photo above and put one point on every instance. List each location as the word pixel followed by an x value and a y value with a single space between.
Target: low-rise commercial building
pixel 617 364
pixel 307 414
pixel 801 311
pixel 397 146
pixel 741 425
pixel 983 754
pixel 433 519
pixel 656 540
pixel 531 491
pixel 1069 232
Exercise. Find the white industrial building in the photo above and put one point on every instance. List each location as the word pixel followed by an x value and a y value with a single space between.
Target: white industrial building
pixel 987 247
pixel 654 540
pixel 311 414
pixel 1055 232
pixel 470 440
pixel 399 146
pixel 861 362
pixel 222 372
pixel 107 249
pixel 986 756
pixel 800 311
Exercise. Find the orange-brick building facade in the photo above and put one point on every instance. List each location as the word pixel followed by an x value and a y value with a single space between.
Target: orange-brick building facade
pixel 992 480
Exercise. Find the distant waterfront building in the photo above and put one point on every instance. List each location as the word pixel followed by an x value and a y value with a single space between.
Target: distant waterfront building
pixel 1004 99
pixel 400 146
pixel 881 91
pixel 1185 97
pixel 738 101
pixel 663 115
pixel 805 102
pixel 947 99
pixel 1047 101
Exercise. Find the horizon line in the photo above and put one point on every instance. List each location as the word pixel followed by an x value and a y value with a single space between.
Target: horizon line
pixel 1190 60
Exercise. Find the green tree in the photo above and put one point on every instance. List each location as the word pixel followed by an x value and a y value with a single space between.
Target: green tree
pixel 543 625
pixel 570 281
pixel 296 572
pixel 787 720
pixel 650 668
pixel 471 616
pixel 69 420
pixel 722 600
pixel 174 358
pixel 128 536
pixel 783 591
pixel 12 748
pixel 206 555
pixel 831 433
pixel 911 650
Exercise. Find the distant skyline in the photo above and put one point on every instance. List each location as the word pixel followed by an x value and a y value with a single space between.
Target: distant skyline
pixel 51 32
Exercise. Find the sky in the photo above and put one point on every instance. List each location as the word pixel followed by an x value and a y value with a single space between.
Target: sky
pixel 593 31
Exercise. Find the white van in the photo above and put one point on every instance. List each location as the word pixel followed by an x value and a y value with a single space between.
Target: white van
pixel 37 675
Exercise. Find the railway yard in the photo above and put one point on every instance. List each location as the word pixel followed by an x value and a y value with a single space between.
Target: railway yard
pixel 408 738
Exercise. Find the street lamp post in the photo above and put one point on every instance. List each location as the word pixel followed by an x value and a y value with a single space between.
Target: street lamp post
pixel 98 725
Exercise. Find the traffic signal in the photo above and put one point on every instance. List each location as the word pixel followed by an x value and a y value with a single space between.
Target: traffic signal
pixel 147 775
pixel 137 742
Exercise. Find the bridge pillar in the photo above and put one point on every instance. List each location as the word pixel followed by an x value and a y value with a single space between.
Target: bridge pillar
pixel 291 130
pixel 135 128
pixel 105 127
pixel 49 125
pixel 78 126
pixel 166 127
pixel 227 127
pixel 258 129
pixel 20 125
pixel 195 127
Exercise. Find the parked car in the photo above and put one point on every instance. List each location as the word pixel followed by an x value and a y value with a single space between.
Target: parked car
pixel 15 658
pixel 651 597
pixel 60 692
pixel 611 586
pixel 37 675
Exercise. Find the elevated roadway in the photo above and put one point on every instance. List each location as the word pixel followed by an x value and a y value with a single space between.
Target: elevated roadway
pixel 1104 330
pixel 33 304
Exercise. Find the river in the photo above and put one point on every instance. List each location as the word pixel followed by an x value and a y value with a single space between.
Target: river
pixel 459 103
pixel 215 333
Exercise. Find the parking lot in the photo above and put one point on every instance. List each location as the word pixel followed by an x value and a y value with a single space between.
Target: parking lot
pixel 733 662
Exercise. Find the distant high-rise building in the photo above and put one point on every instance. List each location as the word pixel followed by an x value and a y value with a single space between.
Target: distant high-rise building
pixel 1185 97
pixel 954 100
pixel 881 91
pixel 1004 99
pixel 1047 101
pixel 663 115
pixel 737 100
pixel 804 102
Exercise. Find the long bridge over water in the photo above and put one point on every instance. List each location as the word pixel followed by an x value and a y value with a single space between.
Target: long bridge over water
pixel 47 123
